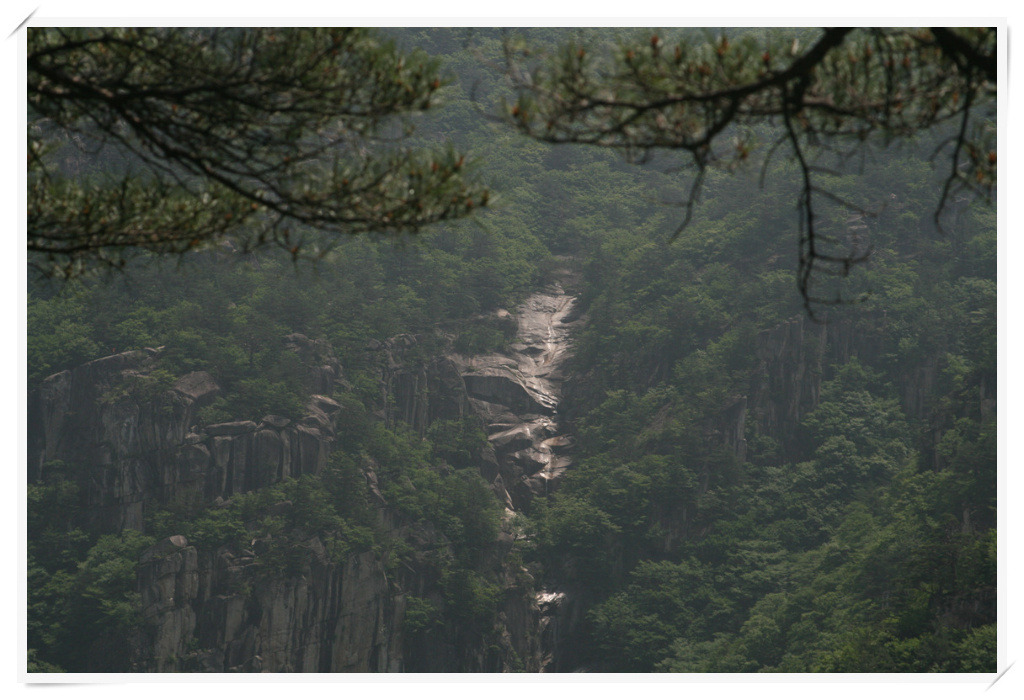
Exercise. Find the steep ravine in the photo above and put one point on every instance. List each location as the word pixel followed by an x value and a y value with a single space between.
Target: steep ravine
pixel 201 611
pixel 518 394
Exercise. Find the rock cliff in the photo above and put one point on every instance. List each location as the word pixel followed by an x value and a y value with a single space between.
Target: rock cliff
pixel 787 382
pixel 202 614
pixel 133 439
pixel 131 436
pixel 515 394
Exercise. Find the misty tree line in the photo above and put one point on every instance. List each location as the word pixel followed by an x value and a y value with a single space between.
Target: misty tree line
pixel 863 541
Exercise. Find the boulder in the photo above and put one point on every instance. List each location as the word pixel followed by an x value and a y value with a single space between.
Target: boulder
pixel 238 427
pixel 163 548
pixel 493 414
pixel 198 386
pixel 325 404
pixel 498 487
pixel 501 387
pixel 530 460
pixel 517 438
pixel 272 421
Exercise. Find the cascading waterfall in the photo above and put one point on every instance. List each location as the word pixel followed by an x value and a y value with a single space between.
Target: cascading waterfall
pixel 517 393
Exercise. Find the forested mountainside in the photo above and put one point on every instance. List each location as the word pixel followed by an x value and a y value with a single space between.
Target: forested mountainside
pixel 559 436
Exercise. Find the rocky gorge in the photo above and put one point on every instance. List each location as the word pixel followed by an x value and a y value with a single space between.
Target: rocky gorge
pixel 136 444
pixel 134 441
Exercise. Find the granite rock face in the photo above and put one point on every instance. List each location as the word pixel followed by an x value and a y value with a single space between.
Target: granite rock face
pixel 323 369
pixel 787 382
pixel 515 393
pixel 131 439
pixel 200 616
pixel 415 391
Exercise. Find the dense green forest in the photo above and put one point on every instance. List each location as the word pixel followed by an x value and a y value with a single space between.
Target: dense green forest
pixel 846 523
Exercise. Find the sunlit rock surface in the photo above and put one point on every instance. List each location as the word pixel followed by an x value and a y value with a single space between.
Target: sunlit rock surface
pixel 517 394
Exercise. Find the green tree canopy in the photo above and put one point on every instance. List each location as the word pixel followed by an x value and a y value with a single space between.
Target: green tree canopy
pixel 824 96
pixel 167 139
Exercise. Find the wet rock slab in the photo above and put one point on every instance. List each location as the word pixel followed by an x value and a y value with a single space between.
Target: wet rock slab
pixel 516 394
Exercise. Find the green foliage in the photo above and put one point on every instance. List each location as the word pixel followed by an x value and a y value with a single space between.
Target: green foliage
pixel 976 652
pixel 107 580
pixel 235 145
pixel 856 533
pixel 85 611
pixel 205 528
pixel 469 599
pixel 420 615
pixel 480 341
pixel 734 99
pixel 36 665
pixel 662 601
pixel 457 442
pixel 861 526
pixel 140 388
pixel 60 336
pixel 576 538
pixel 55 540
pixel 283 517
pixel 259 396
pixel 458 502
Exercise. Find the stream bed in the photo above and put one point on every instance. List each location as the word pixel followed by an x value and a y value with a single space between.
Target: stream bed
pixel 517 394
